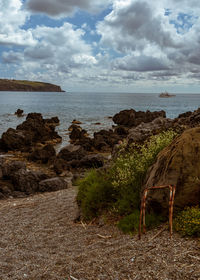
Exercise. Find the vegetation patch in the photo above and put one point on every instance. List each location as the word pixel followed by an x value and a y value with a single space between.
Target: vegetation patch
pixel 187 222
pixel 118 188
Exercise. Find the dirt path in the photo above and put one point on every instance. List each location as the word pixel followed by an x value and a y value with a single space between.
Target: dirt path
pixel 40 241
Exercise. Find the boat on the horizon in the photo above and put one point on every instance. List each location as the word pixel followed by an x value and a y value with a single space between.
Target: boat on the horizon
pixel 166 94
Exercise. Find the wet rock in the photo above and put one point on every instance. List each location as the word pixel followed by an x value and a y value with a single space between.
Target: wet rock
pixel 77 133
pixel 19 112
pixel 27 181
pixel 179 165
pixel 52 184
pixel 132 118
pixel 33 130
pixel 43 154
pixel 54 121
pixel 76 122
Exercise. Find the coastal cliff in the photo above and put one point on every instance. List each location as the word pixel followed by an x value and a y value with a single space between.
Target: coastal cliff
pixel 18 85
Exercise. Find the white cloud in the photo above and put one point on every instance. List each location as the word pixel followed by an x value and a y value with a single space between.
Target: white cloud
pixel 142 43
pixel 12 18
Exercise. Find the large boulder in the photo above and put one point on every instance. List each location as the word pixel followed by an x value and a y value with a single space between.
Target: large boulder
pixel 79 136
pixel 145 130
pixel 104 140
pixel 14 139
pixel 132 118
pixel 52 184
pixel 89 161
pixel 43 154
pixel 71 152
pixel 179 165
pixel 27 181
pixel 8 168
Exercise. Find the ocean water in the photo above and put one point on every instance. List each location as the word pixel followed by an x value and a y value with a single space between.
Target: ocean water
pixel 89 108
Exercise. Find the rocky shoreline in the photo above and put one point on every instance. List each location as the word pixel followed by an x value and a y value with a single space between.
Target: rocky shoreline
pixel 30 163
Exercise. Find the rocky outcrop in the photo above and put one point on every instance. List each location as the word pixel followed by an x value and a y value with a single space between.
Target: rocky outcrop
pixel 179 165
pixel 132 118
pixel 18 181
pixel 143 131
pixel 16 85
pixel 33 130
pixel 75 156
pixel 19 112
pixel 43 154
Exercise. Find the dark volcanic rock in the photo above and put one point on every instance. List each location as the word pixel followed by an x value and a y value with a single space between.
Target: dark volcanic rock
pixel 143 131
pixel 92 161
pixel 14 139
pixel 179 165
pixel 59 165
pixel 89 161
pixel 10 167
pixel 33 130
pixel 132 118
pixel 27 181
pixel 72 152
pixel 104 140
pixel 52 184
pixel 77 133
pixel 53 121
pixel 43 154
pixel 19 112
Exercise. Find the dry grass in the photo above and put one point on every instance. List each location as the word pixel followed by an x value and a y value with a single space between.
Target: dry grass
pixel 39 240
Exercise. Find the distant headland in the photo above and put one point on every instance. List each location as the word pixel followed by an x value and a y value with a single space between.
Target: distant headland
pixel 19 85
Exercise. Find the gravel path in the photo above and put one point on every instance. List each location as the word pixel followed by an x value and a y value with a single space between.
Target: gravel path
pixel 39 240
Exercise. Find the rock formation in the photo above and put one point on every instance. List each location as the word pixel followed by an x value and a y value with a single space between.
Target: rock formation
pixel 179 165
pixel 33 130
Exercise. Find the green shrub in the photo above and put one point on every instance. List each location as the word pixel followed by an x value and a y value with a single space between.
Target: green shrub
pixel 130 223
pixel 187 222
pixel 118 188
pixel 129 169
pixel 95 194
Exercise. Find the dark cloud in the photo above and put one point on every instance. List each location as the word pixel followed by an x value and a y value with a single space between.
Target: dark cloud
pixel 56 8
pixel 39 52
pixel 12 57
pixel 134 26
pixel 140 64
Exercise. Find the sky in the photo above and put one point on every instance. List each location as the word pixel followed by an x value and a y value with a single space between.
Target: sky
pixel 103 45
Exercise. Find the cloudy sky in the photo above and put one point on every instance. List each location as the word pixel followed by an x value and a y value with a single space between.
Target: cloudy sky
pixel 103 45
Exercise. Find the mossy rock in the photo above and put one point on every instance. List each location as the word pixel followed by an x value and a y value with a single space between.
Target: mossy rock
pixel 179 165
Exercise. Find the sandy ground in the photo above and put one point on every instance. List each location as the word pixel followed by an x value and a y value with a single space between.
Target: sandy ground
pixel 39 240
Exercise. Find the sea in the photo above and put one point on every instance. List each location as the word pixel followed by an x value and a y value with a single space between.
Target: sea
pixel 93 109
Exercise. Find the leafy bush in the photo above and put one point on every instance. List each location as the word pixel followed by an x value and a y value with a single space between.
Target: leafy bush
pixel 118 188
pixel 95 194
pixel 188 222
pixel 130 223
pixel 129 169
